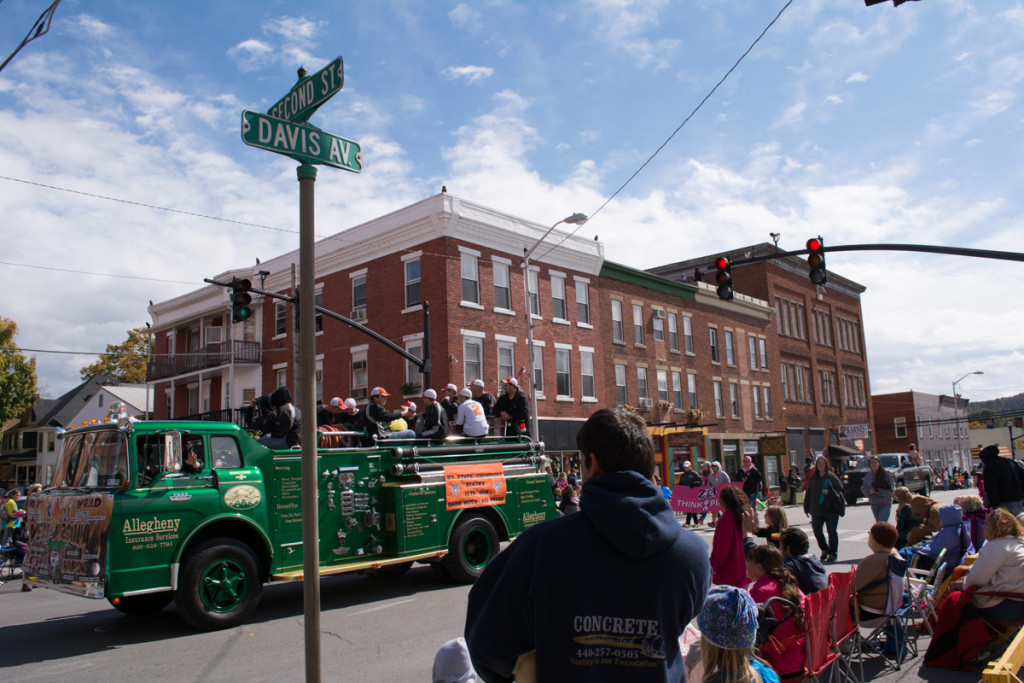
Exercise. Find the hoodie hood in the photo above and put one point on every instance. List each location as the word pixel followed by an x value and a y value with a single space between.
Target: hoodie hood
pixel 921 505
pixel 628 510
pixel 951 515
pixel 988 454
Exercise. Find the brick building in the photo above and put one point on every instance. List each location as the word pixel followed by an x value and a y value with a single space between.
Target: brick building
pixel 818 359
pixel 936 424
pixel 604 334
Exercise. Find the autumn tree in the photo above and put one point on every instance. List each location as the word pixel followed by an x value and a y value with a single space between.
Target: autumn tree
pixel 124 362
pixel 18 385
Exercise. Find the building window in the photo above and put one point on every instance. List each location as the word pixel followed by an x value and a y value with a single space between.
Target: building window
pixel 318 317
pixel 641 381
pixel 638 324
pixel 506 359
pixel 563 386
pixel 827 393
pixel 538 369
pixel 318 379
pixel 470 279
pixel 587 374
pixel 798 375
pixel 767 402
pixel 534 293
pixel 280 318
pixel 691 390
pixel 719 407
pixel 617 331
pixel 473 358
pixel 359 375
pixel 899 425
pixel 582 302
pixel 688 334
pixel 359 297
pixel 757 402
pixel 763 351
pixel 677 390
pixel 662 377
pixel 730 355
pixel 620 384
pixel 673 333
pixel 734 399
pixel 752 344
pixel 558 298
pixel 412 371
pixel 412 282
pixel 785 382
pixel 658 323
pixel 502 291
pixel 713 338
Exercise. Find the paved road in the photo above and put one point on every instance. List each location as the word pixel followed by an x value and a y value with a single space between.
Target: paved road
pixel 372 630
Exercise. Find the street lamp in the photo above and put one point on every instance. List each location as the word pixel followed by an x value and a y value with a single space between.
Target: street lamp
pixel 956 413
pixel 575 219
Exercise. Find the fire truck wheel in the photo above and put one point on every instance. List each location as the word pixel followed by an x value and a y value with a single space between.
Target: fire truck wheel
pixel 219 585
pixel 142 604
pixel 473 543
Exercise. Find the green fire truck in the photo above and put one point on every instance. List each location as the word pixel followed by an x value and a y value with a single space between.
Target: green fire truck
pixel 128 519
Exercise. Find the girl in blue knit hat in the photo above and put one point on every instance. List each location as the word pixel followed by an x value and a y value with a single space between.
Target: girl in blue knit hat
pixel 728 627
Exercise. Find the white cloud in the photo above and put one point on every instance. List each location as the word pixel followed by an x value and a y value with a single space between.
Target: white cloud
pixel 622 25
pixel 464 16
pixel 293 28
pixel 793 115
pixel 833 99
pixel 857 77
pixel 251 55
pixel 472 74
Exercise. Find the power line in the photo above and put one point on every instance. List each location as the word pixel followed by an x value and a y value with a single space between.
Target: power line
pixel 678 128
pixel 88 272
pixel 148 206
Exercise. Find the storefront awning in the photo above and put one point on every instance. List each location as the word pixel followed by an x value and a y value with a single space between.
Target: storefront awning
pixel 840 451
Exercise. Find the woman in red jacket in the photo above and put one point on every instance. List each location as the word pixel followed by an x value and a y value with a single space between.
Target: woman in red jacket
pixel 728 563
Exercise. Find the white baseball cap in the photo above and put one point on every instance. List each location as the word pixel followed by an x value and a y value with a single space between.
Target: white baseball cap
pixel 476 383
pixel 379 391
pixel 430 393
pixel 451 387
pixel 336 402
pixel 510 380
pixel 466 392
pixel 350 403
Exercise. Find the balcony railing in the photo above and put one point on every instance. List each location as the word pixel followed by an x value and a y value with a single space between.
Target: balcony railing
pixel 214 355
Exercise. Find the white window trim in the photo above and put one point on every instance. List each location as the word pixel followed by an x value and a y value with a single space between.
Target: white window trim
pixel 411 256
pixel 474 333
pixel 357 273
pixel 471 252
pixel 505 338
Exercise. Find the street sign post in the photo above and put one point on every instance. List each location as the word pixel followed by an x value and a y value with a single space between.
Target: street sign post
pixel 302 142
pixel 309 93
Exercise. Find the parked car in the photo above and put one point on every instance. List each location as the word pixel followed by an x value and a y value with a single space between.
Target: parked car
pixel 917 478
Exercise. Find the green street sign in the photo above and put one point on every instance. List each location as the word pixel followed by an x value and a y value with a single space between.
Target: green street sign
pixel 308 94
pixel 301 142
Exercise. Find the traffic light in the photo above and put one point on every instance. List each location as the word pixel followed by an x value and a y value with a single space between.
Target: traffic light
pixel 816 260
pixel 724 277
pixel 240 300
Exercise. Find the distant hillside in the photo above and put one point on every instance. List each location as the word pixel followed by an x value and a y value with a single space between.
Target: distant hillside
pixel 996 408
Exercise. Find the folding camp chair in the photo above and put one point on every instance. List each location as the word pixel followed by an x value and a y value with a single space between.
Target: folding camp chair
pixel 818 630
pixel 1002 632
pixel 893 623
pixel 922 591
pixel 845 626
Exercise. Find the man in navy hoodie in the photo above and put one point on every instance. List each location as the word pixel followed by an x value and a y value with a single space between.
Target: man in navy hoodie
pixel 597 596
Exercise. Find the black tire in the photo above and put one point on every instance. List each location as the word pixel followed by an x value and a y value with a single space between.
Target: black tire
pixel 473 543
pixel 142 604
pixel 219 585
pixel 389 571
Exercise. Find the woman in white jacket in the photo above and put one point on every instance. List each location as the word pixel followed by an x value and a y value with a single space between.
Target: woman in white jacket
pixel 999 568
pixel 717 476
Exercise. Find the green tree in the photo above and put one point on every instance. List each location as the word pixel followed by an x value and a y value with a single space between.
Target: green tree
pixel 124 362
pixel 18 385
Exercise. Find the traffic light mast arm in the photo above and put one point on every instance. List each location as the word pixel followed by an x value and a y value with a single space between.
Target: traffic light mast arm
pixel 421 363
pixel 923 248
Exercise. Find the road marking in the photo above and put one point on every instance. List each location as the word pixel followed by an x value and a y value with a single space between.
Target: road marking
pixel 387 606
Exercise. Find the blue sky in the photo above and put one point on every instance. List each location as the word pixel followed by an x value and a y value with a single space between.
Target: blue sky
pixel 862 124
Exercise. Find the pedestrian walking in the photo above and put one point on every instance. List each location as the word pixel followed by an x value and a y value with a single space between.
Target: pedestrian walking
pixel 824 504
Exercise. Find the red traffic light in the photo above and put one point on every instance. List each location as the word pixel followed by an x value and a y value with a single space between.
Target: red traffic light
pixel 721 263
pixel 814 244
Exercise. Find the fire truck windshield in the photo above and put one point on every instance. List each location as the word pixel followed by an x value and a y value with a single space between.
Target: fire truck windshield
pixel 96 459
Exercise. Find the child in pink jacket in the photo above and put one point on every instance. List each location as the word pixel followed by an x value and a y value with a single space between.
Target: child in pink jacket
pixel 728 563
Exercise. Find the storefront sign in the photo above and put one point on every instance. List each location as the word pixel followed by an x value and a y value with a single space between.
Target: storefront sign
pixel 853 431
pixel 773 445
pixel 684 439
